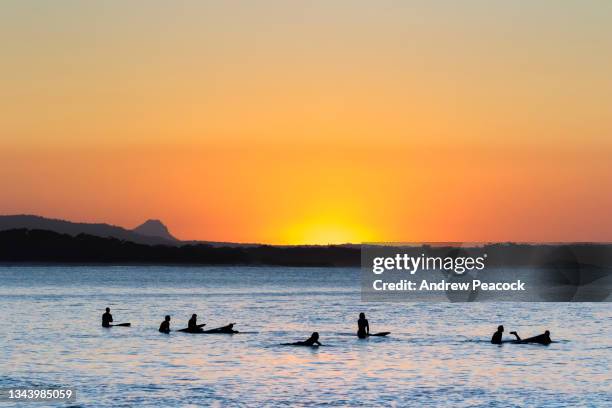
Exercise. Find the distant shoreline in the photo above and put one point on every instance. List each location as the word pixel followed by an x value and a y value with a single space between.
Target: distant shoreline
pixel 42 247
pixel 180 265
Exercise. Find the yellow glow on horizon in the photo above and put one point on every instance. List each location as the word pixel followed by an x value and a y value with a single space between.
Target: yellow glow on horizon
pixel 327 230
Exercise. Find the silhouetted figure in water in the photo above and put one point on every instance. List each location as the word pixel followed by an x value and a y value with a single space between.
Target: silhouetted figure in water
pixel 192 325
pixel 363 327
pixel 543 338
pixel 312 340
pixel 164 327
pixel 107 318
pixel 225 329
pixel 497 336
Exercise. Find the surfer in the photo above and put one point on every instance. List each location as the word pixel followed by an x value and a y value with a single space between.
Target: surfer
pixel 107 318
pixel 311 342
pixel 543 338
pixel 192 325
pixel 164 327
pixel 497 336
pixel 363 327
pixel 229 329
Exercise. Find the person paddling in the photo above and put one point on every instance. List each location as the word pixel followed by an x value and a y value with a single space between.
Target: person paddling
pixel 311 342
pixel 164 327
pixel 229 329
pixel 363 327
pixel 107 318
pixel 543 338
pixel 497 336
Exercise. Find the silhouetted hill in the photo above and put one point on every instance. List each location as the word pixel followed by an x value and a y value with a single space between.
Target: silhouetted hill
pixel 8 222
pixel 154 228
pixel 152 232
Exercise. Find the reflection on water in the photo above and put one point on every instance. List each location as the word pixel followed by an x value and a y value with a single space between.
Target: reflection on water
pixel 437 354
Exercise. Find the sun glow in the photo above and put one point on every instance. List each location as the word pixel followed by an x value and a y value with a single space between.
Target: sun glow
pixel 324 234
pixel 325 230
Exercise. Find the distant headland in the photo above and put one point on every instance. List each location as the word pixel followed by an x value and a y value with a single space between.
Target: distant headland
pixel 35 239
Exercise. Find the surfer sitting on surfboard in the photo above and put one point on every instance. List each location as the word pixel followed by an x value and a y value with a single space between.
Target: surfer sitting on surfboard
pixel 164 327
pixel 497 336
pixel 192 325
pixel 363 327
pixel 107 318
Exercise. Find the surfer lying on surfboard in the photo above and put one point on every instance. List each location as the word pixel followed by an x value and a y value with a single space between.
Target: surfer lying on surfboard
pixel 312 341
pixel 543 338
pixel 229 329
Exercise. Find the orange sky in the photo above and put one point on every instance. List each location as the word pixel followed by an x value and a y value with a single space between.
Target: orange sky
pixel 318 122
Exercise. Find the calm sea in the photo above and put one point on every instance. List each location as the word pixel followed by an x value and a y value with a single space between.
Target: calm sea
pixel 438 353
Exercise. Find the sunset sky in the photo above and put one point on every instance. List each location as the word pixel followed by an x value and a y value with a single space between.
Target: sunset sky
pixel 311 122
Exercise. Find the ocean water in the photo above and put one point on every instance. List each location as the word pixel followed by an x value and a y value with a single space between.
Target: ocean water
pixel 438 353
